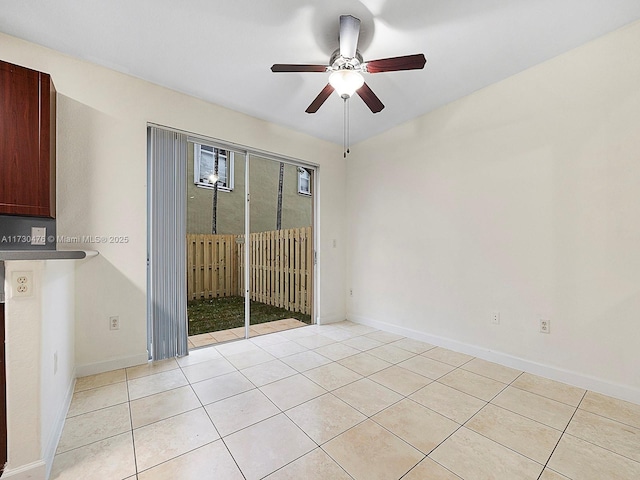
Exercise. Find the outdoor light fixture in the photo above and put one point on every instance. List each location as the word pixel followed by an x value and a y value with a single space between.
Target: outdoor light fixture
pixel 346 82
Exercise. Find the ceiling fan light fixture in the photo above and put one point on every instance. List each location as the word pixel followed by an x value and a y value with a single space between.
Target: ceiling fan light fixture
pixel 346 82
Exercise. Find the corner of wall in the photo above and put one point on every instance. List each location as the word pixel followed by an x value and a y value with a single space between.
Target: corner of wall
pixel 32 471
pixel 113 364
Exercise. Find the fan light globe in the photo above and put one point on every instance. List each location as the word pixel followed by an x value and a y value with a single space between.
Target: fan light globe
pixel 346 82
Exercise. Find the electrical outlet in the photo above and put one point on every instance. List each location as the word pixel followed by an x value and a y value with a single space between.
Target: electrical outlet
pixel 545 326
pixel 22 284
pixel 495 318
pixel 114 323
pixel 351 292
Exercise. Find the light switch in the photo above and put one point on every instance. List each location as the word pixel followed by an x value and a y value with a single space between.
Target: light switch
pixel 38 236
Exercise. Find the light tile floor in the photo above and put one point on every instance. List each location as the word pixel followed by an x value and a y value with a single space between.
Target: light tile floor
pixel 342 401
pixel 211 338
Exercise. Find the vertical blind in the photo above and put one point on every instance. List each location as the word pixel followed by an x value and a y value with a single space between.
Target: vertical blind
pixel 166 255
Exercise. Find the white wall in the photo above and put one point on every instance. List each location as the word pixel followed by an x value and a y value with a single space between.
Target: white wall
pixel 521 198
pixel 102 119
pixel 38 395
pixel 23 360
pixel 57 360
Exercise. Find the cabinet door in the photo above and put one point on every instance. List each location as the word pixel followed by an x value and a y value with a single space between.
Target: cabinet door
pixel 25 141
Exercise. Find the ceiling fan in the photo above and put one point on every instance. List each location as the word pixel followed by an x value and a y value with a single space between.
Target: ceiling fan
pixel 346 65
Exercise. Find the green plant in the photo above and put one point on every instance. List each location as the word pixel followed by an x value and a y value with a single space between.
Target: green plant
pixel 224 313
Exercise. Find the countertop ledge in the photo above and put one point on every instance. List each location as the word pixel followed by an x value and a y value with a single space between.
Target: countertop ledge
pixel 46 254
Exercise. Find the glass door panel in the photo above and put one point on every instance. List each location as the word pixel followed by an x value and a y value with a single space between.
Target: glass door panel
pixel 216 198
pixel 280 245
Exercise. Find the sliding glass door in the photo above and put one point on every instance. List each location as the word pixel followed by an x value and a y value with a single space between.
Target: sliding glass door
pixel 279 245
pixel 215 227
pixel 231 243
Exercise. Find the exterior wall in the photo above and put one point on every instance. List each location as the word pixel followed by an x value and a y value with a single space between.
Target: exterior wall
pixel 264 176
pixel 296 208
pixel 230 204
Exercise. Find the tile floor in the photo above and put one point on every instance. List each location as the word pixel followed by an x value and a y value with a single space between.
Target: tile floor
pixel 342 401
pixel 203 339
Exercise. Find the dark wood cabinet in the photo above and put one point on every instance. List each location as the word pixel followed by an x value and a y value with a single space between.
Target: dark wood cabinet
pixel 27 142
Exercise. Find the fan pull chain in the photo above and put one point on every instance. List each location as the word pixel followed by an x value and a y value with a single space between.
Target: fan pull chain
pixel 347 105
pixel 345 135
pixel 344 132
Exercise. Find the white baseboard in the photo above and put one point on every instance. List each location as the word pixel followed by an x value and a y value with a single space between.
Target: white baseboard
pixel 51 444
pixel 327 319
pixel 114 364
pixel 31 471
pixel 623 392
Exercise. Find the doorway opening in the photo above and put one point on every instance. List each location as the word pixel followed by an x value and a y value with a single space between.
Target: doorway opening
pixel 249 241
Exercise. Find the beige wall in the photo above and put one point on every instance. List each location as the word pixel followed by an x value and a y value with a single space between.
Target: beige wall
pixel 522 198
pixel 264 176
pixel 40 364
pixel 102 175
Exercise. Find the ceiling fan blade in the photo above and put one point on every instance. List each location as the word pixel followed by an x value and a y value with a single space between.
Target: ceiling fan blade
pixel 370 98
pixel 349 33
pixel 286 67
pixel 320 99
pixel 407 62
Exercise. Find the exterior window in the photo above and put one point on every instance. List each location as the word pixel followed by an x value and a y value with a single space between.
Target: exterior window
pixel 203 168
pixel 304 181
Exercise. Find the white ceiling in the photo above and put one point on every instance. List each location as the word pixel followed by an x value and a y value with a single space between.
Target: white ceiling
pixel 221 50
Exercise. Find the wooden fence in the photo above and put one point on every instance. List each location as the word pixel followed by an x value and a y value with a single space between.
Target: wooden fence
pixel 212 266
pixel 281 267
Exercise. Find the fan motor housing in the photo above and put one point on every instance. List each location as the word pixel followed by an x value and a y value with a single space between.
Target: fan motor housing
pixel 338 62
